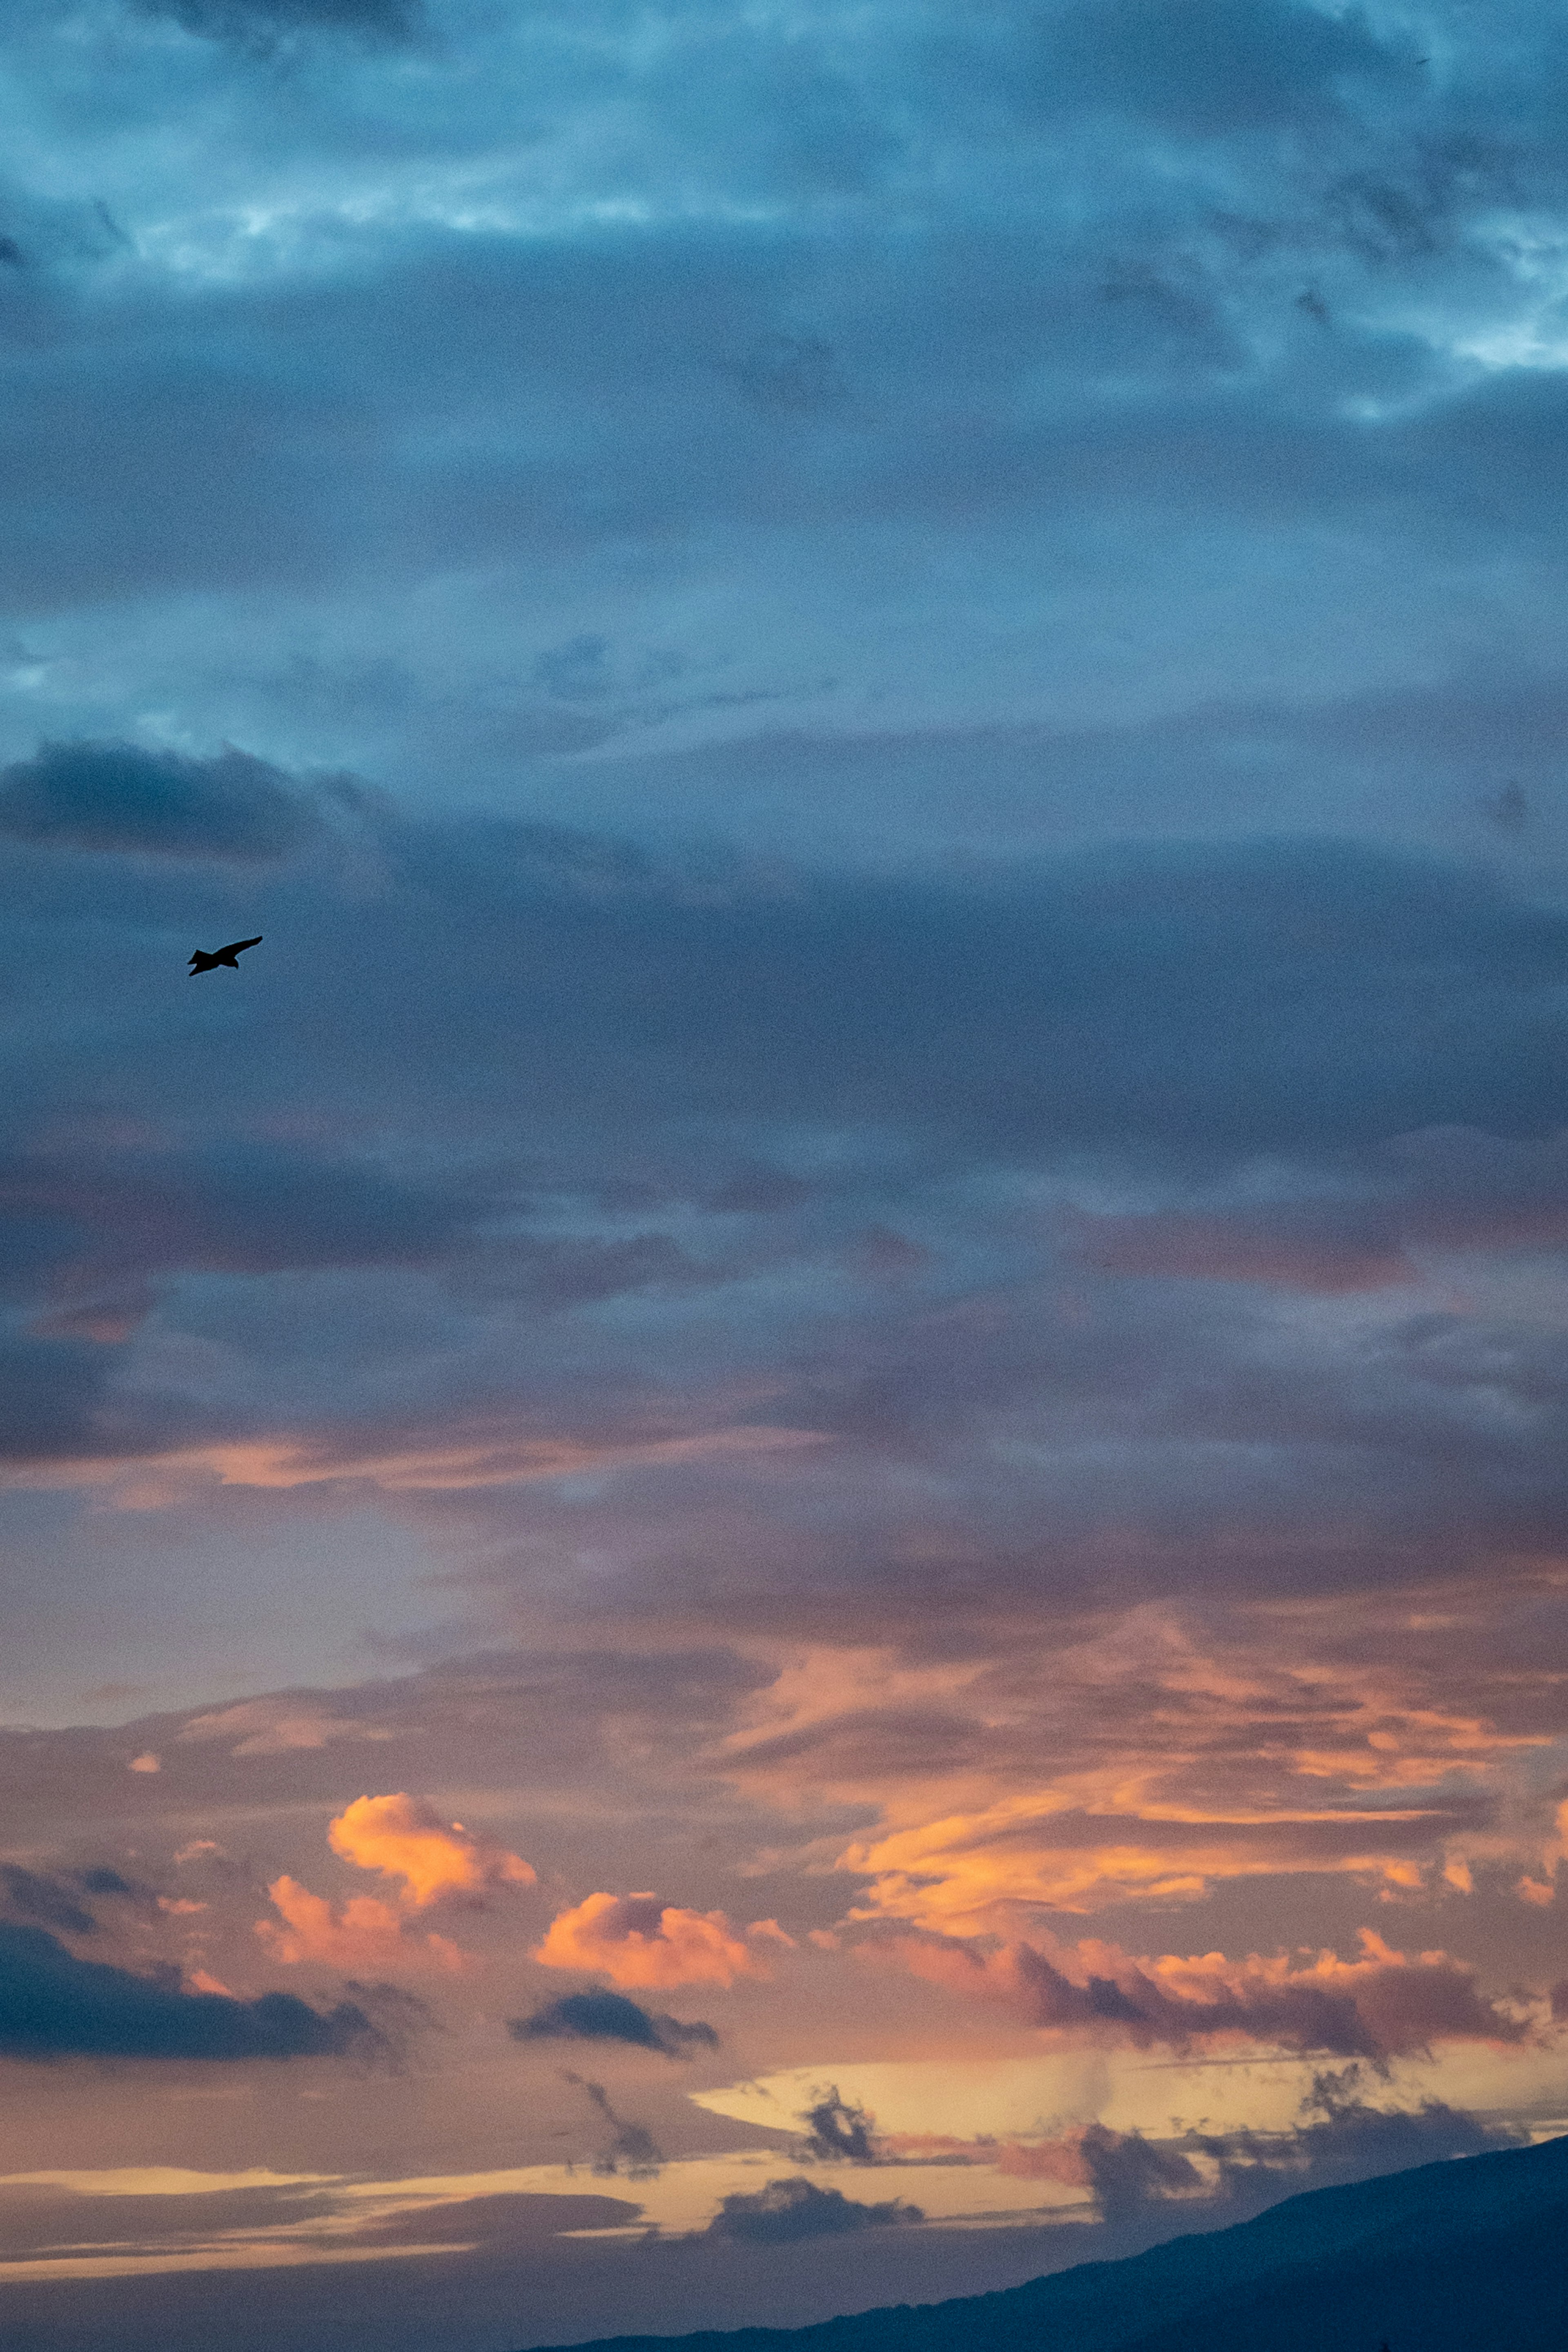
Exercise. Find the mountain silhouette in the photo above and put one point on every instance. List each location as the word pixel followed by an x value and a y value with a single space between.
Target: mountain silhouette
pixel 1464 2256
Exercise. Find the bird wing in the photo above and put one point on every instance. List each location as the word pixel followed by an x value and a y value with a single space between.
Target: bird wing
pixel 235 946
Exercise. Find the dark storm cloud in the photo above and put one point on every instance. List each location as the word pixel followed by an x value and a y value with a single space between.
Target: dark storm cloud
pixel 54 2006
pixel 116 797
pixel 603 2016
pixel 786 2211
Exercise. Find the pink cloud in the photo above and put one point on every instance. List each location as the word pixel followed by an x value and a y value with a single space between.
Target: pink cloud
pixel 364 1934
pixel 1386 2004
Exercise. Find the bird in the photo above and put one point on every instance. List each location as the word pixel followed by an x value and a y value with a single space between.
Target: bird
pixel 228 956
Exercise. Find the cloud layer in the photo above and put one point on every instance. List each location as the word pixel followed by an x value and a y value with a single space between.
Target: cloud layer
pixel 880 1240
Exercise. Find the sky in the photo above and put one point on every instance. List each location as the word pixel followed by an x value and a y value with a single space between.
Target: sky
pixel 785 1526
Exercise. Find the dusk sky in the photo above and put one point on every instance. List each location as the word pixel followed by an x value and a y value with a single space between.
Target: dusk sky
pixel 786 1525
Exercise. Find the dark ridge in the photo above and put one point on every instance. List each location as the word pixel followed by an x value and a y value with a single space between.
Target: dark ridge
pixel 1466 2256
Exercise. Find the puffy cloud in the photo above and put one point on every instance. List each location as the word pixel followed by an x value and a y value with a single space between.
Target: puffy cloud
pixel 601 2016
pixel 53 2005
pixel 787 2211
pixel 405 1837
pixel 362 1934
pixel 1383 2005
pixel 637 1940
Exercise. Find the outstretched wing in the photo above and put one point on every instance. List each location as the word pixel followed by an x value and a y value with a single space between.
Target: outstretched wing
pixel 235 946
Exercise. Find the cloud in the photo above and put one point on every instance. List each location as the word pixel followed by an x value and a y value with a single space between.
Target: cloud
pixel 638 1940
pixel 118 797
pixel 1128 2171
pixel 1319 1254
pixel 1340 2138
pixel 102 1880
pixel 1343 2137
pixel 788 2210
pixel 260 22
pixel 270 1728
pixel 601 2016
pixel 837 2130
pixel 362 1934
pixel 1381 2006
pixel 1215 66
pixel 53 2005
pixel 632 2151
pixel 403 1837
pixel 43 1898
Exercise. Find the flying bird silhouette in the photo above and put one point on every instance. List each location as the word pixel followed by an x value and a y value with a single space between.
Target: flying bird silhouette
pixel 228 957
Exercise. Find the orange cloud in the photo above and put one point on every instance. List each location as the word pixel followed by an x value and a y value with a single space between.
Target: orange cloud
pixel 403 1837
pixel 366 1934
pixel 636 1940
pixel 967 1873
pixel 491 1457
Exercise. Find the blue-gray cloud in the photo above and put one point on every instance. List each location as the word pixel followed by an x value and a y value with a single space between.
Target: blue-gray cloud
pixel 262 22
pixel 53 2005
pixel 788 2210
pixel 37 1897
pixel 603 2016
pixel 117 797
pixel 1128 1015
pixel 837 2131
pixel 630 1065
